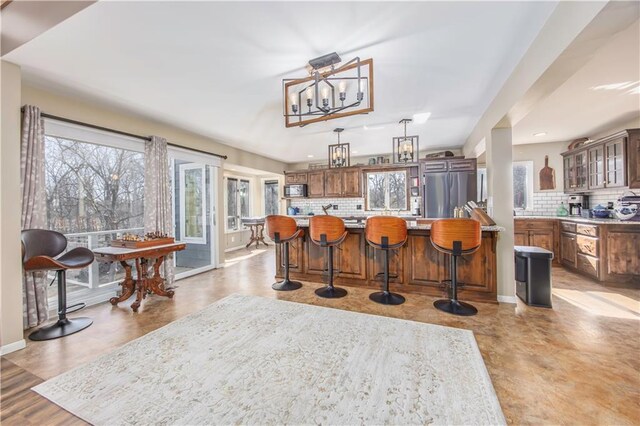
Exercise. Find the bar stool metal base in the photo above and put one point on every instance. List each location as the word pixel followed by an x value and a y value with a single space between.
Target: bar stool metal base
pixel 455 307
pixel 286 285
pixel 63 327
pixel 331 292
pixel 387 298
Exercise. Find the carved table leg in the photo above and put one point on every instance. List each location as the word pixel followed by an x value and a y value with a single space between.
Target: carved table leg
pixel 128 285
pixel 141 270
pixel 253 236
pixel 156 282
pixel 261 236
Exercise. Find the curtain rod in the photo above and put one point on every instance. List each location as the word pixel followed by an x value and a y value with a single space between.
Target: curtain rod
pixel 119 132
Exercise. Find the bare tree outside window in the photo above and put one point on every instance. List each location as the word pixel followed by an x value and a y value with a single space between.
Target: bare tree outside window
pixel 232 204
pixel 387 190
pixel 271 197
pixel 398 190
pixel 376 184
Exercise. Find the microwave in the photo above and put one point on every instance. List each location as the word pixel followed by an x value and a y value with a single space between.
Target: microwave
pixel 295 191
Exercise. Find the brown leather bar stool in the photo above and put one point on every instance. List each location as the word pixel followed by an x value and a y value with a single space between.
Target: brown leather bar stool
pixel 457 237
pixel 39 250
pixel 283 230
pixel 328 232
pixel 386 233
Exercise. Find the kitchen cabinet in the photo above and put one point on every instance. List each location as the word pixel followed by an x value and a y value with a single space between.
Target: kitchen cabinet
pixel 568 249
pixel 621 246
pixel 540 233
pixel 609 162
pixel 352 182
pixel 315 184
pixel 333 183
pixel 295 178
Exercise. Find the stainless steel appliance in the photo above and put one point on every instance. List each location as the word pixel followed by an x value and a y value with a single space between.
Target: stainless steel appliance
pixel 448 184
pixel 298 190
pixel 576 204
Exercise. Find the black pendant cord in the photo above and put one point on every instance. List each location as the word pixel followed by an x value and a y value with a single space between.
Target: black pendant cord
pixel 119 132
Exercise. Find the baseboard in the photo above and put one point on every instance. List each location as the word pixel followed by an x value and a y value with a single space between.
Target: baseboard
pixel 227 250
pixel 12 347
pixel 507 299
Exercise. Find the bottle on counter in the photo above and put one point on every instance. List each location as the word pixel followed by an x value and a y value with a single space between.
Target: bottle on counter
pixel 562 210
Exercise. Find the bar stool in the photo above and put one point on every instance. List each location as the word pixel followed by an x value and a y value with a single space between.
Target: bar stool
pixel 386 233
pixel 456 237
pixel 328 232
pixel 282 230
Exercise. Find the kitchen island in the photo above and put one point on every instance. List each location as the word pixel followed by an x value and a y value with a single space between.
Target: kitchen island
pixel 415 268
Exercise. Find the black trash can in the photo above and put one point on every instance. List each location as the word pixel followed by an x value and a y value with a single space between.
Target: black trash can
pixel 533 275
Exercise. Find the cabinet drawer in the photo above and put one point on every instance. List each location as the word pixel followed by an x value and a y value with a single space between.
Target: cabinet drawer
pixel 534 224
pixel 568 227
pixel 590 230
pixel 462 165
pixel 589 265
pixel 434 166
pixel 587 245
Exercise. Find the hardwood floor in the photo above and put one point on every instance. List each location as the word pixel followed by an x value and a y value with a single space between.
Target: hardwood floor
pixel 574 364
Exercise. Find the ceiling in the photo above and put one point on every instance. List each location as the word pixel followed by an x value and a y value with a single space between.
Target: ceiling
pixel 602 95
pixel 215 68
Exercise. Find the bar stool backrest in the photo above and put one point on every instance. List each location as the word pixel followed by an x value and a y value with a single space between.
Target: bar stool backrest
pixel 331 227
pixel 42 242
pixel 391 228
pixel 286 227
pixel 445 231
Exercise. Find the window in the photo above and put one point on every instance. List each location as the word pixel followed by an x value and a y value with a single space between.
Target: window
pixel 238 205
pixel 192 203
pixel 271 199
pixel 94 186
pixel 522 184
pixel 387 190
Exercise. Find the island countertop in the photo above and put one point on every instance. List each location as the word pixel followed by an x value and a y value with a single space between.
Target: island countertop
pixel 418 266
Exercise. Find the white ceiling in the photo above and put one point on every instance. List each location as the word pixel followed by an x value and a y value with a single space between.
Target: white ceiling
pixel 216 68
pixel 602 95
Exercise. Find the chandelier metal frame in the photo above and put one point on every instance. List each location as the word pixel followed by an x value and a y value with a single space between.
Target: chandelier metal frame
pixel 340 153
pixel 406 149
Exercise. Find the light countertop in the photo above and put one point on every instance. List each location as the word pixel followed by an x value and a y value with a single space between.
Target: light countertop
pixel 577 219
pixel 411 225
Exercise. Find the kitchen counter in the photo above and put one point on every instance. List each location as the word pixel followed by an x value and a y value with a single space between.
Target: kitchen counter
pixel 417 266
pixel 577 219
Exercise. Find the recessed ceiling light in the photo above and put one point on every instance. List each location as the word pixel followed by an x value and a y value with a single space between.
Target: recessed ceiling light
pixel 421 117
pixel 310 156
pixel 540 134
pixel 373 127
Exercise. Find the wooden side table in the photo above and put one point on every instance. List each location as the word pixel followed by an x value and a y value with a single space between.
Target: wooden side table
pixel 256 224
pixel 143 284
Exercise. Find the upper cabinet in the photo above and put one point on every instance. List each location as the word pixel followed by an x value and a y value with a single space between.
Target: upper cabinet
pixel 295 177
pixel 606 163
pixel 315 184
pixel 329 183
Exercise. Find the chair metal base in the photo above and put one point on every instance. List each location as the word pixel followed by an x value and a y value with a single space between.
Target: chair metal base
pixel 61 328
pixel 455 307
pixel 331 292
pixel 387 298
pixel 286 285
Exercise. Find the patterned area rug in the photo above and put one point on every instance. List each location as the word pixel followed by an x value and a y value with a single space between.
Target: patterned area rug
pixel 252 360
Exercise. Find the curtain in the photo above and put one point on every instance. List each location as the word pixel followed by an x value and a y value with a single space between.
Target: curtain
pixel 34 210
pixel 158 208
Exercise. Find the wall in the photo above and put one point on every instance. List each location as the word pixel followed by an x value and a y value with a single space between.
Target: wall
pixel 11 337
pixel 81 110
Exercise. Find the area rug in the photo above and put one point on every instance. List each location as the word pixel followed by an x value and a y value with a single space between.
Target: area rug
pixel 253 360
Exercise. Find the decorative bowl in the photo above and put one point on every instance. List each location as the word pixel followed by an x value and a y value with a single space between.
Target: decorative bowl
pixel 600 212
pixel 627 212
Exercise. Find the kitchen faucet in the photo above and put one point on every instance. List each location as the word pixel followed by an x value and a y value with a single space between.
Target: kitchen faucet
pixel 327 207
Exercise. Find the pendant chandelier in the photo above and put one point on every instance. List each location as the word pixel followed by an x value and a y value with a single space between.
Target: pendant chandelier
pixel 329 92
pixel 405 148
pixel 340 153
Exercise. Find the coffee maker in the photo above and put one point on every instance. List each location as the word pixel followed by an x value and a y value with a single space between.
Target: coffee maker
pixel 576 204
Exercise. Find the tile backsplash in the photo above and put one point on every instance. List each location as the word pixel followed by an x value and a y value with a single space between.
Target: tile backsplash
pixel 346 206
pixel 546 203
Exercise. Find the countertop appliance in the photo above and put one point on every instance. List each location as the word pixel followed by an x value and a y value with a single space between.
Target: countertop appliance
pixel 576 204
pixel 446 185
pixel 298 190
pixel 629 199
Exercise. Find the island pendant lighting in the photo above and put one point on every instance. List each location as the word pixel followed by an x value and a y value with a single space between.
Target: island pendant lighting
pixel 405 148
pixel 330 91
pixel 339 154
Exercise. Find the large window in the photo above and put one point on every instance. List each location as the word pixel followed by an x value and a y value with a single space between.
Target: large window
pixel 238 205
pixel 271 198
pixel 522 184
pixel 387 190
pixel 192 203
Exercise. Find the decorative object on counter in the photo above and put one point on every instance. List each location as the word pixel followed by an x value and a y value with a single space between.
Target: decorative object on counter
pixel 601 212
pixel 577 143
pixel 372 161
pixel 626 208
pixel 440 154
pixel 283 230
pixel 547 176
pixel 406 149
pixel 150 239
pixel 380 160
pixel 386 233
pixel 576 204
pixel 329 91
pixel 339 154
pixel 292 211
pixel 562 210
pixel 328 232
pixel 456 237
pixel 478 213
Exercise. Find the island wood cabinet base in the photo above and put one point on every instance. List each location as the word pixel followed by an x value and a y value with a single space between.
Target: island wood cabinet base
pixel 416 268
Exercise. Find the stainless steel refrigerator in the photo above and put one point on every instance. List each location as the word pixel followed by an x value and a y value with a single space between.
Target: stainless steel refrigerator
pixel 447 184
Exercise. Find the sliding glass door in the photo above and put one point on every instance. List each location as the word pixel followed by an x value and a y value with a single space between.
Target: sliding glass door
pixel 194 178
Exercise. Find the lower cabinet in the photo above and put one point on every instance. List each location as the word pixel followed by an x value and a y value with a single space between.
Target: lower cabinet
pixel 568 249
pixel 540 233
pixel 622 254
